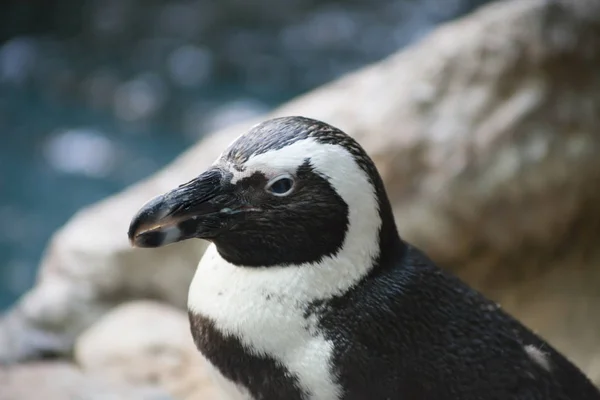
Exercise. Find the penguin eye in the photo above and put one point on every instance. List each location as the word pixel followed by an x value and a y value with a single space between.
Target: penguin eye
pixel 280 186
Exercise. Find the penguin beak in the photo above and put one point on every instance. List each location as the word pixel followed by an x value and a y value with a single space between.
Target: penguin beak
pixel 194 209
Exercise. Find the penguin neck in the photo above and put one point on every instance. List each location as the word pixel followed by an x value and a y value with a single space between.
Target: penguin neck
pixel 391 245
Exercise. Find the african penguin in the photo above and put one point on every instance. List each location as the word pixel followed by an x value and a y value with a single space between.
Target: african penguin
pixel 307 290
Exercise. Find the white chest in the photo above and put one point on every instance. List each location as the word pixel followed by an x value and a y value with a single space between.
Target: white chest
pixel 263 308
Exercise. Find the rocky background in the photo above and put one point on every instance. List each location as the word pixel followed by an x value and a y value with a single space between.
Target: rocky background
pixel 486 132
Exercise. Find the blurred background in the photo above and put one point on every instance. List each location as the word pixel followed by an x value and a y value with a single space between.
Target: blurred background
pixel 97 94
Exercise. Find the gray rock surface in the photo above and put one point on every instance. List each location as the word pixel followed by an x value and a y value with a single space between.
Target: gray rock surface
pixel 147 343
pixel 486 134
pixel 62 381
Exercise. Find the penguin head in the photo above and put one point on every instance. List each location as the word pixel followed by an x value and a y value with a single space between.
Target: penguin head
pixel 289 191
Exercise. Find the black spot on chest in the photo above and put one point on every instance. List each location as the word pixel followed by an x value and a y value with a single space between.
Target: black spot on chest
pixel 264 377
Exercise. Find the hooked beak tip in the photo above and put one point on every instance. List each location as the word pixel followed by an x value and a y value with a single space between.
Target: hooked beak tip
pixel 185 212
pixel 150 224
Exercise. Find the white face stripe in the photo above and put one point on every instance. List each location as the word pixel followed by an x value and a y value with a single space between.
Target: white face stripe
pixel 351 183
pixel 263 306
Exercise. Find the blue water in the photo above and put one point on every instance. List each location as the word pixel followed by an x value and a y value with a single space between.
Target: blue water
pixel 36 198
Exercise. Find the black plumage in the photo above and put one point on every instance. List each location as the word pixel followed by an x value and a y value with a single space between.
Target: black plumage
pixel 406 330
pixel 412 330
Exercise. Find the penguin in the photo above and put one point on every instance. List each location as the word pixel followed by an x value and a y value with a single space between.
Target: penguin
pixel 308 292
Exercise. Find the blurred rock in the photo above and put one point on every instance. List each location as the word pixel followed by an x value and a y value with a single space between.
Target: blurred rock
pixel 486 134
pixel 147 343
pixel 61 381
